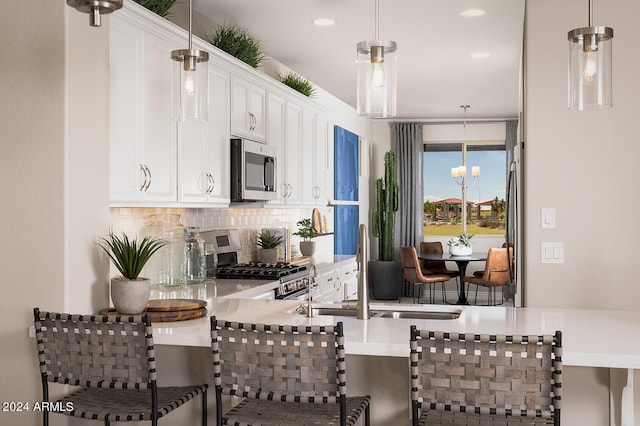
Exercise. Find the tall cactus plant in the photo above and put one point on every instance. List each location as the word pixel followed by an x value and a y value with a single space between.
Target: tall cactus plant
pixel 383 217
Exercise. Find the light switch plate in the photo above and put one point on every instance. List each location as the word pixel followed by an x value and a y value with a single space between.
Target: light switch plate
pixel 552 252
pixel 548 217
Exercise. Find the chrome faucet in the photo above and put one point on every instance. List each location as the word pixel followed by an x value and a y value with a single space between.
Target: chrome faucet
pixel 312 281
pixel 362 309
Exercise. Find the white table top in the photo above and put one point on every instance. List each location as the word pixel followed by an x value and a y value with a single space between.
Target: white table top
pixel 590 337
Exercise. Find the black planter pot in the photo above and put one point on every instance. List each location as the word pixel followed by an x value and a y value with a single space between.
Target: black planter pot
pixel 385 279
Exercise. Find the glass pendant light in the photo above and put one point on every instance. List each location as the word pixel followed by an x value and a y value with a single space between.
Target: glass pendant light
pixel 94 8
pixel 590 66
pixel 190 94
pixel 376 68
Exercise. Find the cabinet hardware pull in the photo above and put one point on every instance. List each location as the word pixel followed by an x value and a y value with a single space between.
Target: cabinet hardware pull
pixel 144 178
pixel 148 181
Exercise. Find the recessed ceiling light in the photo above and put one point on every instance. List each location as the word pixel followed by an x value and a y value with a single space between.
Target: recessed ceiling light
pixel 472 12
pixel 324 22
pixel 480 55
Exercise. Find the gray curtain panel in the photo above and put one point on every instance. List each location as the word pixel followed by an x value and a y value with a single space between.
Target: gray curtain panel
pixel 407 144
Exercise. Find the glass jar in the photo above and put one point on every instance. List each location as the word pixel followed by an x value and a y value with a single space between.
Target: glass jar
pixel 194 256
pixel 165 267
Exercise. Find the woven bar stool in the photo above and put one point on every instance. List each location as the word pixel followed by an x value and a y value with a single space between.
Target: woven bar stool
pixel 471 379
pixel 285 375
pixel 112 359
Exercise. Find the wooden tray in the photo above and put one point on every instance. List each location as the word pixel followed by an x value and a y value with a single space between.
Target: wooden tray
pixel 165 310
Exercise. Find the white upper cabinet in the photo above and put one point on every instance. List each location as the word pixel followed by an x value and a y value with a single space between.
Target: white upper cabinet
pixel 204 149
pixel 314 170
pixel 142 135
pixel 275 137
pixel 291 155
pixel 248 107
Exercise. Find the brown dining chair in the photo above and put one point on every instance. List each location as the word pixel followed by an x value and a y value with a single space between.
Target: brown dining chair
pixel 412 272
pixel 436 267
pixel 495 274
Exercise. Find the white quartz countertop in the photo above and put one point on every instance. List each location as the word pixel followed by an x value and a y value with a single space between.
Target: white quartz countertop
pixel 590 337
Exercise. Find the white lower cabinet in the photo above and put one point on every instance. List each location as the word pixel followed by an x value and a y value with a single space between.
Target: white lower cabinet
pixel 338 285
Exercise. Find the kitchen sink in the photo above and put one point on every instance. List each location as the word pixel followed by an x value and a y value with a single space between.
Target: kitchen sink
pixel 448 314
pixel 433 315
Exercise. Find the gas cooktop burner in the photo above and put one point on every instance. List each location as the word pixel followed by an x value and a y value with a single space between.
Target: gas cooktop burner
pixel 258 271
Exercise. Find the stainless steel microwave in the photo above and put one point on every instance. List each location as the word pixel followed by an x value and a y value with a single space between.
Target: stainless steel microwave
pixel 253 171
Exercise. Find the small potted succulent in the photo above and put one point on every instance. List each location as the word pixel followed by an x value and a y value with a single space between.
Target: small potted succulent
pixel 307 232
pixel 460 245
pixel 130 292
pixel 268 243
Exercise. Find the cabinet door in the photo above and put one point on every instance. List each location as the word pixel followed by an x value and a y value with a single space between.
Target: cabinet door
pixel 307 159
pixel 248 106
pixel 275 137
pixel 218 135
pixel 321 173
pixel 159 130
pixel 204 149
pixel 293 135
pixel 126 171
pixel 140 106
pixel 345 165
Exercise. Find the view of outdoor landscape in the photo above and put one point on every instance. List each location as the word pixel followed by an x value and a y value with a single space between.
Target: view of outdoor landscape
pixel 485 193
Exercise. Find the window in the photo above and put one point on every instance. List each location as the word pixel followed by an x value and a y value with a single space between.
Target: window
pixel 485 194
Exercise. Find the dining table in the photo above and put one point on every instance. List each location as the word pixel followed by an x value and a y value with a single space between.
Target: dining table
pixel 461 262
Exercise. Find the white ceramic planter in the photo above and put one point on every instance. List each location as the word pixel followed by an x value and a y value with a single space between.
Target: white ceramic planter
pixel 459 251
pixel 130 297
pixel 269 256
pixel 307 248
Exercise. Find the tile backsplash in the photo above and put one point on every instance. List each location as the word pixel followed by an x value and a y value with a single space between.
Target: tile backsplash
pixel 248 221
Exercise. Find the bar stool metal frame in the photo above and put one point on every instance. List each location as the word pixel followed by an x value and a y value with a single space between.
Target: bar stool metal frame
pixel 112 360
pixel 472 379
pixel 285 375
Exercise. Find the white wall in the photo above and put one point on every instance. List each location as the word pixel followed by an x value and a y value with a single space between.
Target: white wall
pixel 53 174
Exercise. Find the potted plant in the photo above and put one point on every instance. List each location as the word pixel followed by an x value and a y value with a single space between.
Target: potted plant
pixel 159 7
pixel 385 274
pixel 130 292
pixel 307 232
pixel 460 245
pixel 237 42
pixel 297 83
pixel 268 243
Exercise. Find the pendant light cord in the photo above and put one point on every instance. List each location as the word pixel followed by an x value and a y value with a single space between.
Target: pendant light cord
pixel 591 13
pixel 190 19
pixel 377 16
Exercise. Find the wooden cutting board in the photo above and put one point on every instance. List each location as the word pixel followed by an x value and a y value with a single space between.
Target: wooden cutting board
pixel 165 310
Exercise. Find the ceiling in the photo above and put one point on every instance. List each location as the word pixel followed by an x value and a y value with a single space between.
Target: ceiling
pixel 436 73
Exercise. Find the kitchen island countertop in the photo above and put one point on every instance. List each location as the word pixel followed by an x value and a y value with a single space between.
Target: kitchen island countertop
pixel 591 338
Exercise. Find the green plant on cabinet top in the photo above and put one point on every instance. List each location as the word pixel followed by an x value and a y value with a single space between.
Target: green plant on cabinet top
pixel 159 7
pixel 237 42
pixel 297 83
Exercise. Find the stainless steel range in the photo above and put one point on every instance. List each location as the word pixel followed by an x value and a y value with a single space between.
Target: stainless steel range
pixel 294 279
